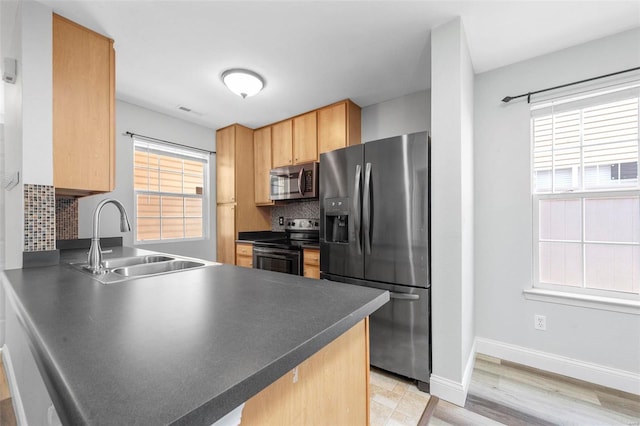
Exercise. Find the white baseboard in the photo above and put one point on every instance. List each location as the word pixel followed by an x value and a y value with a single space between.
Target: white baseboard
pixel 451 391
pixel 18 408
pixel 594 373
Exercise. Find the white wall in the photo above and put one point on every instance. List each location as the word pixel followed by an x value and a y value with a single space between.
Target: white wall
pixel 26 37
pixel 407 114
pixel 37 94
pixel 142 121
pixel 503 233
pixel 452 222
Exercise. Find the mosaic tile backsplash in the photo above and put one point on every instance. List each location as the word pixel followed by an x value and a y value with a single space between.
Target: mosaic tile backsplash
pixel 294 210
pixel 39 217
pixel 66 218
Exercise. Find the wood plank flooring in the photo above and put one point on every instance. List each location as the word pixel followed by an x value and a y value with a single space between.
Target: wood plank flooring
pixel 7 415
pixel 503 392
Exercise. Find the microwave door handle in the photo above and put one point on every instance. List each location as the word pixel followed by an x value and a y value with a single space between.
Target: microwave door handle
pixel 356 207
pixel 300 188
pixel 366 208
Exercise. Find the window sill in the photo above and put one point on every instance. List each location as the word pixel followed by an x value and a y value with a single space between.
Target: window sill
pixel 584 300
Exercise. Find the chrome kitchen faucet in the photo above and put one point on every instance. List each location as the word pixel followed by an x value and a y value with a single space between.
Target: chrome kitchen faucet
pixel 95 252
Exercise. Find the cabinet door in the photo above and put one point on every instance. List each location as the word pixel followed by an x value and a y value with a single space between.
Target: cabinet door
pixel 225 221
pixel 332 128
pixel 305 138
pixel 225 165
pixel 262 165
pixel 83 88
pixel 311 260
pixel 282 143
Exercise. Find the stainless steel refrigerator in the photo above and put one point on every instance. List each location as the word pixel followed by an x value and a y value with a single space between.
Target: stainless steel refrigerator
pixel 374 207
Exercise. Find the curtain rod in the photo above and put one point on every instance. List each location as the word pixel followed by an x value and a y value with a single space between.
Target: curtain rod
pixel 528 95
pixel 169 142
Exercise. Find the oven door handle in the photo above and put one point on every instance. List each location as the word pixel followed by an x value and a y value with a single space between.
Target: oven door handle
pixel 300 187
pixel 275 253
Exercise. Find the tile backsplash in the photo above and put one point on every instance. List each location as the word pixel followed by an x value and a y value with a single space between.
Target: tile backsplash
pixel 39 217
pixel 66 218
pixel 301 209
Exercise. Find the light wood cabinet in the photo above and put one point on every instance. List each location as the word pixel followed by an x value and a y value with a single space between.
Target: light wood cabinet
pixel 331 387
pixel 226 235
pixel 338 126
pixel 282 143
pixel 311 263
pixel 244 255
pixel 294 141
pixel 305 138
pixel 226 164
pixel 235 181
pixel 262 165
pixel 83 87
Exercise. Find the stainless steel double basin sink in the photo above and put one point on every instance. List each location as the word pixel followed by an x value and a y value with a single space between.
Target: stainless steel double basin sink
pixel 124 268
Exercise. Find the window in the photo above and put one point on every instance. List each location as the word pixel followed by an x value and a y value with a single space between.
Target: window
pixel 586 198
pixel 170 187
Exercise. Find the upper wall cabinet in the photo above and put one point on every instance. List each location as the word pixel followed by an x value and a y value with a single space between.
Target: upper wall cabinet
pixel 226 162
pixel 83 110
pixel 305 138
pixel 262 165
pixel 282 143
pixel 338 126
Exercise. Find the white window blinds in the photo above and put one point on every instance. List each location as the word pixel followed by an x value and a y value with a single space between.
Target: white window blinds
pixel 170 185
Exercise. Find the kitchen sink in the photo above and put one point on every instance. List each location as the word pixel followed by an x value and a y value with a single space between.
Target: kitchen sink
pixel 134 260
pixel 120 269
pixel 156 268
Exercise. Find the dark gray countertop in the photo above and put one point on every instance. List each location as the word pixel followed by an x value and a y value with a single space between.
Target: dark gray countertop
pixel 182 348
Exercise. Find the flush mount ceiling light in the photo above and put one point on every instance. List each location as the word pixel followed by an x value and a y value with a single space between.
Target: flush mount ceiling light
pixel 242 82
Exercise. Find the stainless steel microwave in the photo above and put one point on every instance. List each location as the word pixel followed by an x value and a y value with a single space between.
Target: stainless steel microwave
pixel 294 182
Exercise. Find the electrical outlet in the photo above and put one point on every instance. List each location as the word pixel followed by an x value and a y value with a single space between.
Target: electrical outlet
pixel 281 220
pixel 540 322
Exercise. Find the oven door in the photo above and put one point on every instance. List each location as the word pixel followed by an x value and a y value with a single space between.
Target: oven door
pixel 278 260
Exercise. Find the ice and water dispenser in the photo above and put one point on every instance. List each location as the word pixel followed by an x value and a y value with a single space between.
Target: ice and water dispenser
pixel 336 212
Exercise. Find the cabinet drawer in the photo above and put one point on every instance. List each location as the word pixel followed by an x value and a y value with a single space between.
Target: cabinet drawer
pixel 244 255
pixel 311 271
pixel 244 250
pixel 246 261
pixel 311 257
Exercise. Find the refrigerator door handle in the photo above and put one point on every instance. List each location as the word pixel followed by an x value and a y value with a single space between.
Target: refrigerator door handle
pixel 300 189
pixel 356 207
pixel 366 208
pixel 403 296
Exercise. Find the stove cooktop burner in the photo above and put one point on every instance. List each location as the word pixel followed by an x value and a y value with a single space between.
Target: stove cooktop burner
pixel 299 232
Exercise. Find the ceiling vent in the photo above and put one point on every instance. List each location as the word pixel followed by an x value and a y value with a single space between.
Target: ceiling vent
pixel 186 109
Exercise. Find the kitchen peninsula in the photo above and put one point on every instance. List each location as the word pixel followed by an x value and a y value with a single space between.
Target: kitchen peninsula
pixel 186 348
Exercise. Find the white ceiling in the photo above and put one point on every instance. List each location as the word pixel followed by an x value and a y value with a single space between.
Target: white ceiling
pixel 312 53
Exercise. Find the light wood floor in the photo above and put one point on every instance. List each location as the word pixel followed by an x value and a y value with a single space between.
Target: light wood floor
pixel 7 416
pixel 502 392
